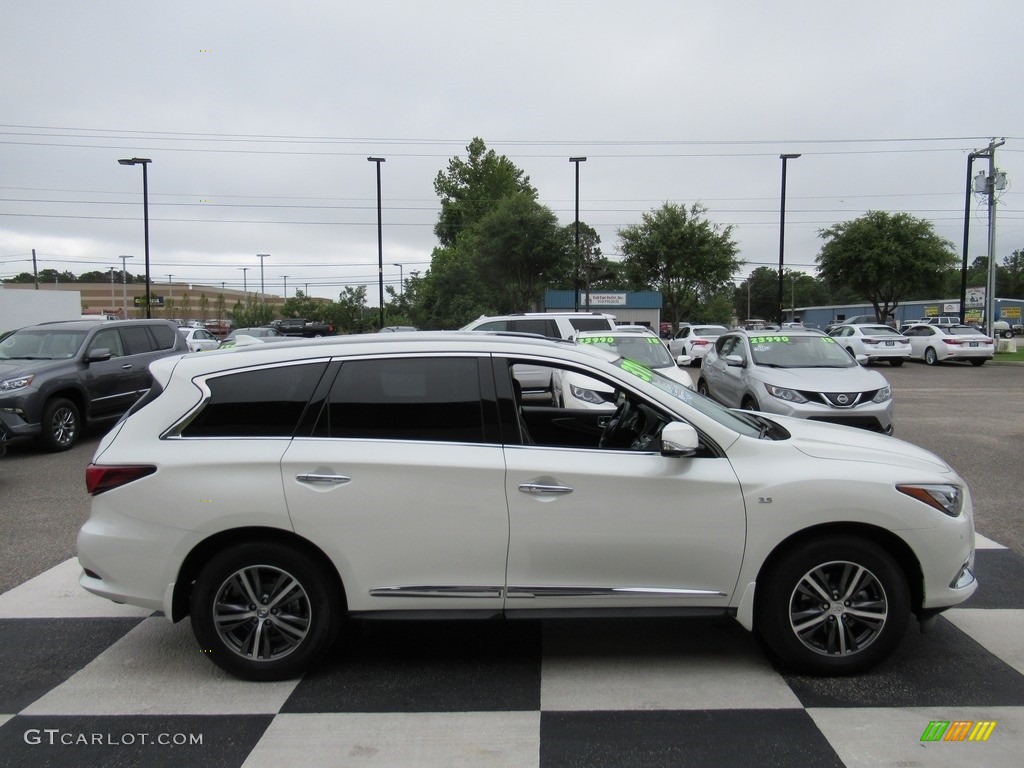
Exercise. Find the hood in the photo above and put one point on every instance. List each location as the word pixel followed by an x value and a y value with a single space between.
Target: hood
pixel 11 368
pixel 831 441
pixel 856 379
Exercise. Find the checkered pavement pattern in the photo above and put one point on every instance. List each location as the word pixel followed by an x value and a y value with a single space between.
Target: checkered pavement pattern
pixel 85 682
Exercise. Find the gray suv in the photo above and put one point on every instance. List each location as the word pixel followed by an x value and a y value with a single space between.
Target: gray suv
pixel 55 378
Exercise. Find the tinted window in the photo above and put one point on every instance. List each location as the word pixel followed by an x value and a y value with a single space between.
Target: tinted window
pixel 164 336
pixel 406 399
pixel 540 326
pixel 494 325
pixel 136 340
pixel 590 323
pixel 261 403
pixel 108 338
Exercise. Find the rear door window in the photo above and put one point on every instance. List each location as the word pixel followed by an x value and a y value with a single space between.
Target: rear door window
pixel 137 340
pixel 432 399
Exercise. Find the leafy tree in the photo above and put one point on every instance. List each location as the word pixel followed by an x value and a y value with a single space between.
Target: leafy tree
pixel 349 314
pixel 472 187
pixel 519 247
pixel 21 277
pixel 301 305
pixel 221 307
pixel 450 293
pixel 186 307
pixel 758 295
pixel 252 314
pixel 885 258
pixel 95 276
pixel 680 253
pixel 55 276
pixel 204 307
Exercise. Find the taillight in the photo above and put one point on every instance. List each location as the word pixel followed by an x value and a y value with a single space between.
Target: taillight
pixel 99 479
pixel 700 343
pixel 870 341
pixel 952 341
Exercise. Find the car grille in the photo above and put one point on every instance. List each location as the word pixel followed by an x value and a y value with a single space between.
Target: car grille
pixel 840 399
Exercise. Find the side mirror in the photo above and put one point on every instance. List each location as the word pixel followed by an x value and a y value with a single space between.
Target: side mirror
pixel 683 360
pixel 98 355
pixel 679 439
pixel 861 359
pixel 734 361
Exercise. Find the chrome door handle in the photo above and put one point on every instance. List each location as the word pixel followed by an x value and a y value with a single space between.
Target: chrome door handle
pixel 537 489
pixel 310 477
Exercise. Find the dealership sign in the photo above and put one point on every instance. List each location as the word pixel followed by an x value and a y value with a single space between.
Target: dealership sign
pixel 605 299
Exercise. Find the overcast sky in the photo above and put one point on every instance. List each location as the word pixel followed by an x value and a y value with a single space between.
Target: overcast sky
pixel 259 117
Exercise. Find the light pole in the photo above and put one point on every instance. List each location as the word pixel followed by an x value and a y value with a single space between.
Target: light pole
pixel 576 299
pixel 285 287
pixel 170 290
pixel 261 257
pixel 782 229
pixel 144 162
pixel 380 240
pixel 112 288
pixel 245 282
pixel 124 286
pixel 401 279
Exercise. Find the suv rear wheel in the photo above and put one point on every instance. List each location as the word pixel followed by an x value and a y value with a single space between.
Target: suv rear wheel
pixel 264 611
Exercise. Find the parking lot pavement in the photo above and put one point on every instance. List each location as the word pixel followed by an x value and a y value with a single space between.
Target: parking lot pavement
pixel 86 682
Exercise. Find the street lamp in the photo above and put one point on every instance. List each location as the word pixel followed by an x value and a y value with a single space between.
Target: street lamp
pixel 782 229
pixel 285 287
pixel 144 162
pixel 124 287
pixel 245 282
pixel 261 257
pixel 401 279
pixel 112 288
pixel 576 298
pixel 380 240
pixel 170 289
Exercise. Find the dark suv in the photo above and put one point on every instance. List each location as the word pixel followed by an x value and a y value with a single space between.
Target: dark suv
pixel 57 377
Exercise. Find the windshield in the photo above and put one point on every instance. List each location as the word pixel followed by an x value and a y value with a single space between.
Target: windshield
pixel 788 351
pixel 41 344
pixel 644 349
pixel 737 421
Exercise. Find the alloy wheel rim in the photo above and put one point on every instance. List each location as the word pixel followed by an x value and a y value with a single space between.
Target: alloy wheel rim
pixel 262 613
pixel 64 426
pixel 838 608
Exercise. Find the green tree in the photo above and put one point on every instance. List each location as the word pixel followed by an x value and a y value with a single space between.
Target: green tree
pixel 450 293
pixel 186 307
pixel 204 307
pixel 21 277
pixel 519 247
pixel 680 253
pixel 252 314
pixel 472 187
pixel 885 258
pixel 349 314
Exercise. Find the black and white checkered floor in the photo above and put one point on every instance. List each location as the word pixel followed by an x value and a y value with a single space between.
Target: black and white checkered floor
pixel 84 682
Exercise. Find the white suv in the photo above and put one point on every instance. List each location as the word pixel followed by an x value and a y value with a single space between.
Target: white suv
pixel 269 492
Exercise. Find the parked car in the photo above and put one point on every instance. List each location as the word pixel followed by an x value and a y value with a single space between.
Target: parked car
pixel 796 373
pixel 56 378
pixel 640 345
pixel 694 341
pixel 936 343
pixel 199 339
pixel 860 320
pixel 272 492
pixel 554 325
pixel 875 342
pixel 300 326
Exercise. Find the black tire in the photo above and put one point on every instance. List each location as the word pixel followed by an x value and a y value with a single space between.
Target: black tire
pixel 61 425
pixel 833 636
pixel 896 362
pixel 750 404
pixel 978 361
pixel 702 388
pixel 930 357
pixel 1007 334
pixel 265 643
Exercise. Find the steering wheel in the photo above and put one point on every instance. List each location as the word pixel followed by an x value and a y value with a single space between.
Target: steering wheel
pixel 620 431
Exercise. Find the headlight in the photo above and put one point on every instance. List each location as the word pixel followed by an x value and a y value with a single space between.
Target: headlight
pixel 587 395
pixel 9 385
pixel 885 393
pixel 789 395
pixel 948 499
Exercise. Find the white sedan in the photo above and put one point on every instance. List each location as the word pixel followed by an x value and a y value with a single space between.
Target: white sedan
pixel 199 339
pixel 935 343
pixel 574 390
pixel 876 342
pixel 695 341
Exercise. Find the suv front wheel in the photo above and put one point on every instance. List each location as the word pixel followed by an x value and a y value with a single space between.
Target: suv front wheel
pixel 61 425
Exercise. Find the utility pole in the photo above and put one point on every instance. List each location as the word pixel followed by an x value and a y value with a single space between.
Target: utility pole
pixel 995 181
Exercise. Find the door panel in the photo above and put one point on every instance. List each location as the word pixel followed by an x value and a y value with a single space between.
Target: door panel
pixel 606 528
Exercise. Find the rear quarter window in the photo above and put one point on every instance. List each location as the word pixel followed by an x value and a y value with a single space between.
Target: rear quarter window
pixel 267 402
pixel 591 324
